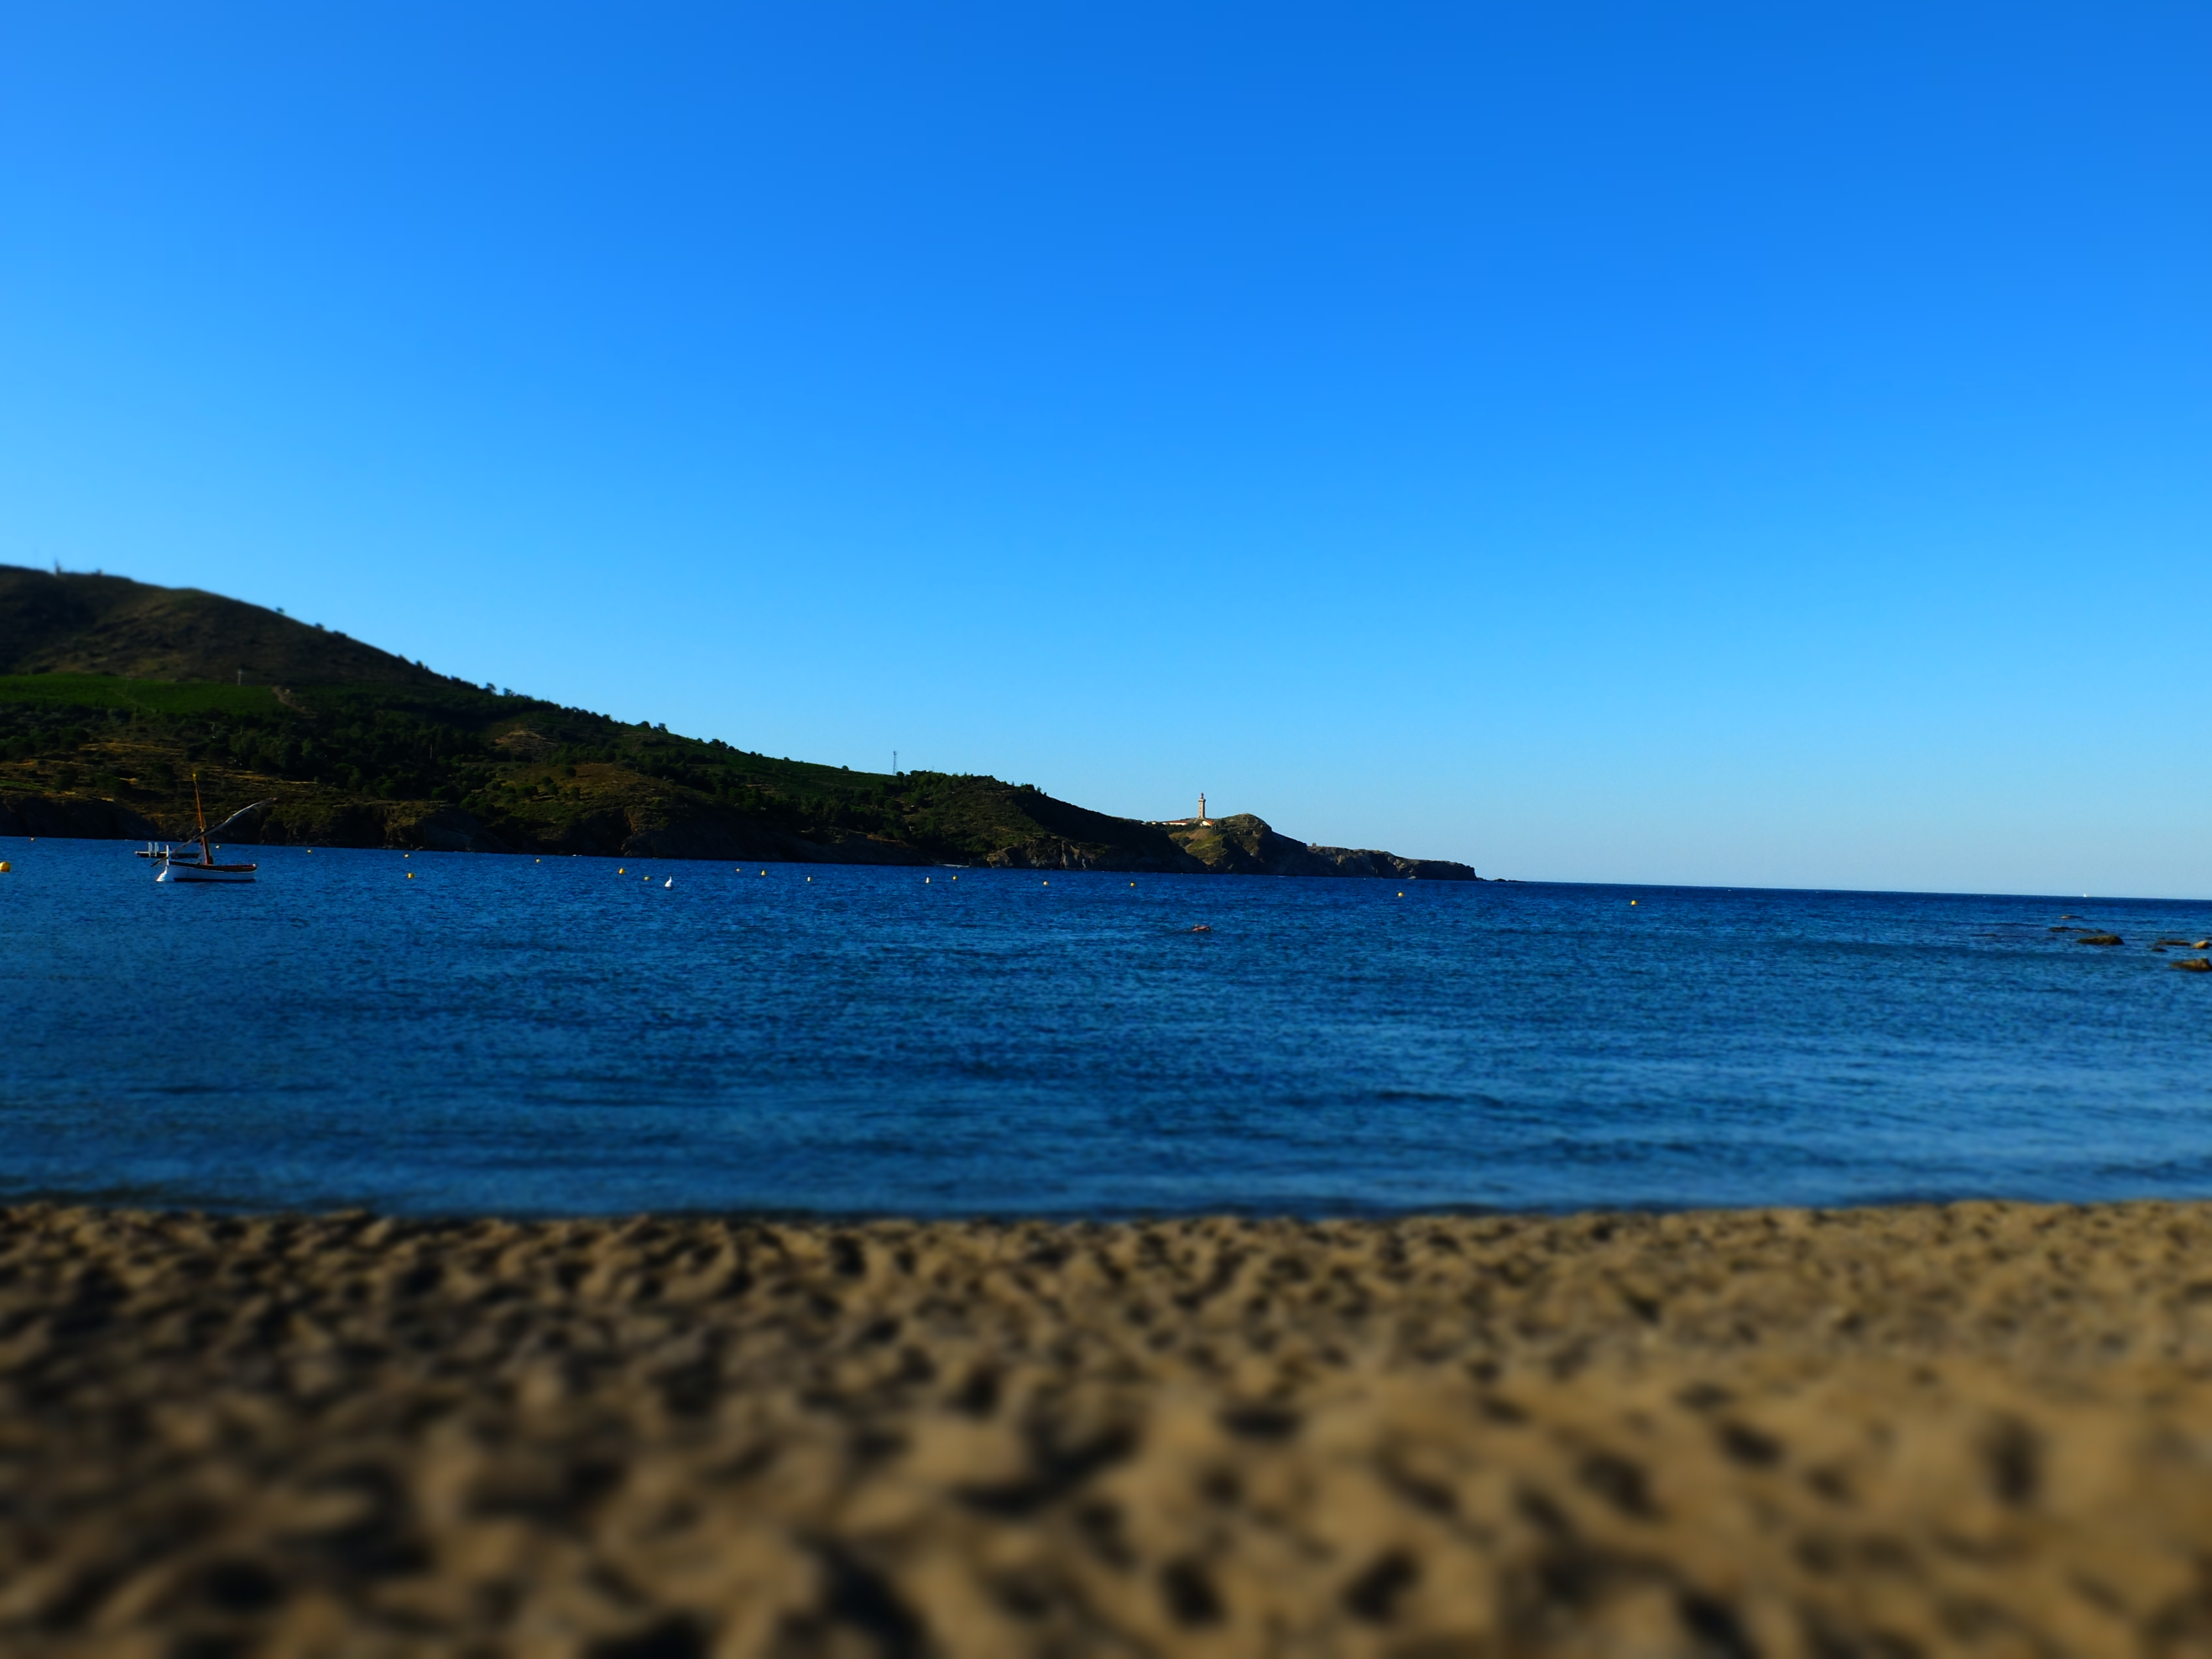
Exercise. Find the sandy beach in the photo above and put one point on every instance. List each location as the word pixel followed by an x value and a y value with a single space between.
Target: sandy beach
pixel 1979 1429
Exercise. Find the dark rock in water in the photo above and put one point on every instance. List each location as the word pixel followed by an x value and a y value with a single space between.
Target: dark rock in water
pixel 79 817
pixel 2100 938
pixel 2196 964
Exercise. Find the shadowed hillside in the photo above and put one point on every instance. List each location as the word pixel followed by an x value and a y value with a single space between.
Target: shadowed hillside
pixel 79 624
pixel 115 694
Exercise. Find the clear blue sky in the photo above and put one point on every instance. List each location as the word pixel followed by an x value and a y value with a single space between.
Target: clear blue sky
pixel 1727 444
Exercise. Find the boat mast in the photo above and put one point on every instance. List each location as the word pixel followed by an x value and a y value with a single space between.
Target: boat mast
pixel 206 857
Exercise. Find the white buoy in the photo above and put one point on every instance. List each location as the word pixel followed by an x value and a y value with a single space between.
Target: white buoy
pixel 670 882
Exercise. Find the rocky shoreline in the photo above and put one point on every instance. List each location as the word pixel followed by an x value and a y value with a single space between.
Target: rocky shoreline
pixel 1244 846
pixel 1980 1428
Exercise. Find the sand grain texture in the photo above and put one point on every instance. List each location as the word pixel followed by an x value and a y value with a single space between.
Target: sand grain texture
pixel 1979 1429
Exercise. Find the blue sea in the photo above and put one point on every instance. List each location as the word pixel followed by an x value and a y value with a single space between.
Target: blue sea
pixel 445 1034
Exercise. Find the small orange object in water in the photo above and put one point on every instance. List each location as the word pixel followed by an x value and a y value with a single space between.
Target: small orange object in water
pixel 1201 928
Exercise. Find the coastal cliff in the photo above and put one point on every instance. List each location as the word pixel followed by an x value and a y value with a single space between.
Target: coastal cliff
pixel 84 818
pixel 1243 845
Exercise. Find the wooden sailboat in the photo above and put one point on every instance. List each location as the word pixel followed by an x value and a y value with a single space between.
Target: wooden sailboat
pixel 176 869
pixel 150 851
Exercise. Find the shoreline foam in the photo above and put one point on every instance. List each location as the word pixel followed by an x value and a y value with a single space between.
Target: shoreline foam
pixel 1980 1427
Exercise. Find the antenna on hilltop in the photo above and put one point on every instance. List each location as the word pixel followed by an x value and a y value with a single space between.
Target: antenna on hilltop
pixel 894 763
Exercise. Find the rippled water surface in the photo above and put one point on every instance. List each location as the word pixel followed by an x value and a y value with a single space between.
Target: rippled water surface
pixel 500 1034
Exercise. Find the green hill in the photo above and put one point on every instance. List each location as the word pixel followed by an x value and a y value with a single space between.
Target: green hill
pixel 51 623
pixel 114 693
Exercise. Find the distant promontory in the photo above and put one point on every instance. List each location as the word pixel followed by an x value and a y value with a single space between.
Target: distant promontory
pixel 113 693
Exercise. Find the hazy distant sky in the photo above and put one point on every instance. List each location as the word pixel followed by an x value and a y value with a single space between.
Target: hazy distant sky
pixel 1747 444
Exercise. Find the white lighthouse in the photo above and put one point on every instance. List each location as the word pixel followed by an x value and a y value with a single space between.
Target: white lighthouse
pixel 1202 806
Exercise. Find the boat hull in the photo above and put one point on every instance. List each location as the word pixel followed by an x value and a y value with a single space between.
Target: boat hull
pixel 208 872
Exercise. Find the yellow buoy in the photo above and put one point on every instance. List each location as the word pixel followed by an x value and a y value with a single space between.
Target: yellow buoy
pixel 411 875
pixel 1631 901
pixel 4 866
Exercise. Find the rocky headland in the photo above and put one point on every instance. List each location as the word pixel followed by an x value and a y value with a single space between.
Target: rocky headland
pixel 114 694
